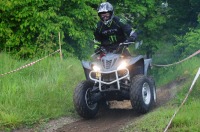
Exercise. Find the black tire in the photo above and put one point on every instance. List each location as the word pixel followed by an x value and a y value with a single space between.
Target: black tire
pixel 82 103
pixel 104 105
pixel 142 94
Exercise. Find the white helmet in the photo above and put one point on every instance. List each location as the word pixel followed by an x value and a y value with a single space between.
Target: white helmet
pixel 104 8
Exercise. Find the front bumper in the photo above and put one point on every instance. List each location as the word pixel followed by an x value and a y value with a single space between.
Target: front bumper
pixel 116 80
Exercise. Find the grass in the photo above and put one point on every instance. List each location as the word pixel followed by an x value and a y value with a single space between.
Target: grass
pixel 164 75
pixel 38 93
pixel 44 91
pixel 187 119
pixel 151 122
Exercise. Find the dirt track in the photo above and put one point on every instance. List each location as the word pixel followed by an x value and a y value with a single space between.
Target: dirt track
pixel 113 119
pixel 110 120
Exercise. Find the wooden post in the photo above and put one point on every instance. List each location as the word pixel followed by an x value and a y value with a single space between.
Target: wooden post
pixel 60 47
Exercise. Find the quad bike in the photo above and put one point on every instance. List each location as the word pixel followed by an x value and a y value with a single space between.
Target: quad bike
pixel 111 76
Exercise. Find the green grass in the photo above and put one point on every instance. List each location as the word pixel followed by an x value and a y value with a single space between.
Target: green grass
pixel 37 93
pixel 187 119
pixel 152 122
pixel 188 68
pixel 165 55
pixel 44 91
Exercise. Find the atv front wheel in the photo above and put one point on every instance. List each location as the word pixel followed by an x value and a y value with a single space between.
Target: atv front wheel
pixel 83 104
pixel 142 94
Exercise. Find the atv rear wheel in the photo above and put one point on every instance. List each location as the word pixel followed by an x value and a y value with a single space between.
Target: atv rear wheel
pixel 142 94
pixel 83 104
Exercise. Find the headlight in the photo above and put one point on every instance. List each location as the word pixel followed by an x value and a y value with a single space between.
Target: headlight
pixel 96 68
pixel 123 65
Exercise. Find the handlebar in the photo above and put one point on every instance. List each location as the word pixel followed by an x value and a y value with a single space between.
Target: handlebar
pixel 126 43
pixel 101 49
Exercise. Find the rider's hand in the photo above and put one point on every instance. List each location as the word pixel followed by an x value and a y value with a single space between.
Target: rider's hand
pixel 100 49
pixel 125 43
pixel 97 50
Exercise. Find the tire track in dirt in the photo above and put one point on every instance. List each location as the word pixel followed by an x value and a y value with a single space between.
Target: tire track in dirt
pixel 120 114
pixel 108 120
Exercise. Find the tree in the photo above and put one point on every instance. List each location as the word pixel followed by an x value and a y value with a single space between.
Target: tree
pixel 147 18
pixel 185 21
pixel 31 27
pixel 188 43
pixel 24 24
pixel 82 16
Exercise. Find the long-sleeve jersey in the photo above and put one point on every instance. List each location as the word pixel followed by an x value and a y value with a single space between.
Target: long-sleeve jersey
pixel 114 33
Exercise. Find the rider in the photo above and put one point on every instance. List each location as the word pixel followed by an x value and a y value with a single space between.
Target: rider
pixel 111 30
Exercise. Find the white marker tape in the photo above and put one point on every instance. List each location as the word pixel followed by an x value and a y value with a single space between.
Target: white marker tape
pixel 191 87
pixel 27 65
pixel 197 52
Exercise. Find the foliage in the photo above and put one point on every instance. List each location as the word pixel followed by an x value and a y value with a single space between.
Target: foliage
pixel 183 14
pixel 165 56
pixel 188 43
pixel 147 18
pixel 26 25
pixel 83 18
pixel 31 27
pixel 184 25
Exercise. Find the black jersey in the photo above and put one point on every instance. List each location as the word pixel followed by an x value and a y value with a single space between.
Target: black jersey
pixel 114 33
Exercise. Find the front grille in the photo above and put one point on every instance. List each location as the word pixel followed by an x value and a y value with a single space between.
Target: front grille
pixel 107 64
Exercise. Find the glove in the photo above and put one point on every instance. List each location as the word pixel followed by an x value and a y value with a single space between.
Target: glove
pixel 100 49
pixel 97 50
pixel 96 47
pixel 132 37
pixel 126 43
pixel 96 44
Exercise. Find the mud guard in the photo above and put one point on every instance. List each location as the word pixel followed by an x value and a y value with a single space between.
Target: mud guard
pixel 87 69
pixel 136 65
pixel 135 59
pixel 147 64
